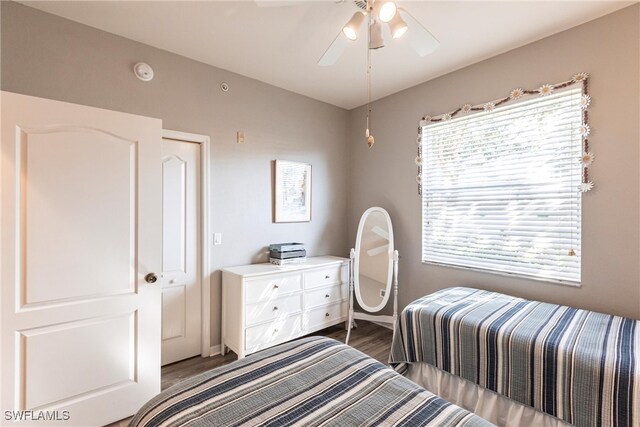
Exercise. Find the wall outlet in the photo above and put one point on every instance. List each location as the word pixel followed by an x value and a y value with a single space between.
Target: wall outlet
pixel 382 293
pixel 217 239
pixel 240 137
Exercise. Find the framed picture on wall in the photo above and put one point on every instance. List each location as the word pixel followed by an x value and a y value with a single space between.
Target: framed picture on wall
pixel 292 191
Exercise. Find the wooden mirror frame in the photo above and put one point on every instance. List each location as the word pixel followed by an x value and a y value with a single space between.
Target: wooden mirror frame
pixel 383 320
pixel 356 262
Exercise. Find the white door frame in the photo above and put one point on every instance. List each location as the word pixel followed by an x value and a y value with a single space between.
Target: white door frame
pixel 206 349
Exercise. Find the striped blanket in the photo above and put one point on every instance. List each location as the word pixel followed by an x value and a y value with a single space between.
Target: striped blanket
pixel 311 382
pixel 580 366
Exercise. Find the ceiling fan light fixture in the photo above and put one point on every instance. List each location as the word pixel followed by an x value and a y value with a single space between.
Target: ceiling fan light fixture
pixel 376 41
pixel 397 26
pixel 352 28
pixel 387 11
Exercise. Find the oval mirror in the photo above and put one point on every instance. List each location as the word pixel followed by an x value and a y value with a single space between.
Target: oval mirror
pixel 373 264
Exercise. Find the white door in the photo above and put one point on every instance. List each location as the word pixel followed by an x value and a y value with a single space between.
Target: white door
pixel 81 228
pixel 181 288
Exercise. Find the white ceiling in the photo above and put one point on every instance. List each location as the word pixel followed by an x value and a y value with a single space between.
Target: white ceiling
pixel 281 45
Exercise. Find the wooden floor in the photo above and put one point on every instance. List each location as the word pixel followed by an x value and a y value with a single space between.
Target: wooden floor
pixel 369 338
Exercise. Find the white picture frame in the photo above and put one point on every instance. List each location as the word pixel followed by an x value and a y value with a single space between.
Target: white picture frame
pixel 292 201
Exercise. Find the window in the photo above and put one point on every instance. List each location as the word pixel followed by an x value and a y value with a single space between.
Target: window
pixel 500 189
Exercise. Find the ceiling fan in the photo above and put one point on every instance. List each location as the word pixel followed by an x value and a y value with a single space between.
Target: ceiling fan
pixel 381 14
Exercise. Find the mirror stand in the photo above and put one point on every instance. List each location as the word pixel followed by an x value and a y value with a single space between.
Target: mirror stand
pixel 382 320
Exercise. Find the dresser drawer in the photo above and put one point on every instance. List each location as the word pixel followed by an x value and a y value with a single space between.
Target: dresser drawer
pixel 319 317
pixel 324 296
pixel 324 277
pixel 272 310
pixel 268 334
pixel 269 288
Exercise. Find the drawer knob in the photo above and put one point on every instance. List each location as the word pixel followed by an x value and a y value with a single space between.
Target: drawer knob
pixel 275 308
pixel 326 296
pixel 275 286
pixel 326 277
pixel 326 315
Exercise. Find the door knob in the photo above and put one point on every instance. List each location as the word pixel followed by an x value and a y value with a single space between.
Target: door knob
pixel 151 278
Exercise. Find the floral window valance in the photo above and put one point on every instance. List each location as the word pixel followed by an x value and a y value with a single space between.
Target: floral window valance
pixel 587 157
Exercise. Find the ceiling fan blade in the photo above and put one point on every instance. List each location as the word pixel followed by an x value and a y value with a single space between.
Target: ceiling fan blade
pixel 380 232
pixel 334 51
pixel 420 39
pixel 379 250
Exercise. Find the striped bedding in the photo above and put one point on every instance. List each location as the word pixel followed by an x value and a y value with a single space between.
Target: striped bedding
pixel 311 382
pixel 577 365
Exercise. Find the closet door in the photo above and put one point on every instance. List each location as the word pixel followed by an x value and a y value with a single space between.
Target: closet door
pixel 81 240
pixel 181 270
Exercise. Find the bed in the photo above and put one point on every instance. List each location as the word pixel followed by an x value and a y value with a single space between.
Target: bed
pixel 546 364
pixel 311 382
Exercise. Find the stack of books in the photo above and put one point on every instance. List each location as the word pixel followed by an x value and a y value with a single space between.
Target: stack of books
pixel 287 253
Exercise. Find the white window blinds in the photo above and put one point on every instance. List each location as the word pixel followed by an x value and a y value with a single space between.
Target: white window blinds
pixel 500 189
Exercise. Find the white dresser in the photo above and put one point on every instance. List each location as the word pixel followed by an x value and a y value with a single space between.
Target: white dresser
pixel 264 305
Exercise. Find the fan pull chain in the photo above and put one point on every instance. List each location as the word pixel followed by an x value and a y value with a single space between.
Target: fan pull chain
pixel 368 134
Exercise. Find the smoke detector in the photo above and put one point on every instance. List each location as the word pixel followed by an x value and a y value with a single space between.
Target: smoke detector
pixel 143 71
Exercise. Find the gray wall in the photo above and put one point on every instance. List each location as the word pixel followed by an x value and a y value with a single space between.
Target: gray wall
pixel 608 48
pixel 50 57
pixel 47 56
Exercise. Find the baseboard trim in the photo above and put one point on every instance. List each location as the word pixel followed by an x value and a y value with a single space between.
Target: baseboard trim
pixel 214 350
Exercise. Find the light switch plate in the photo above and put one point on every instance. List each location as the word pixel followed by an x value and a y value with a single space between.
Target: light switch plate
pixel 217 239
pixel 240 137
